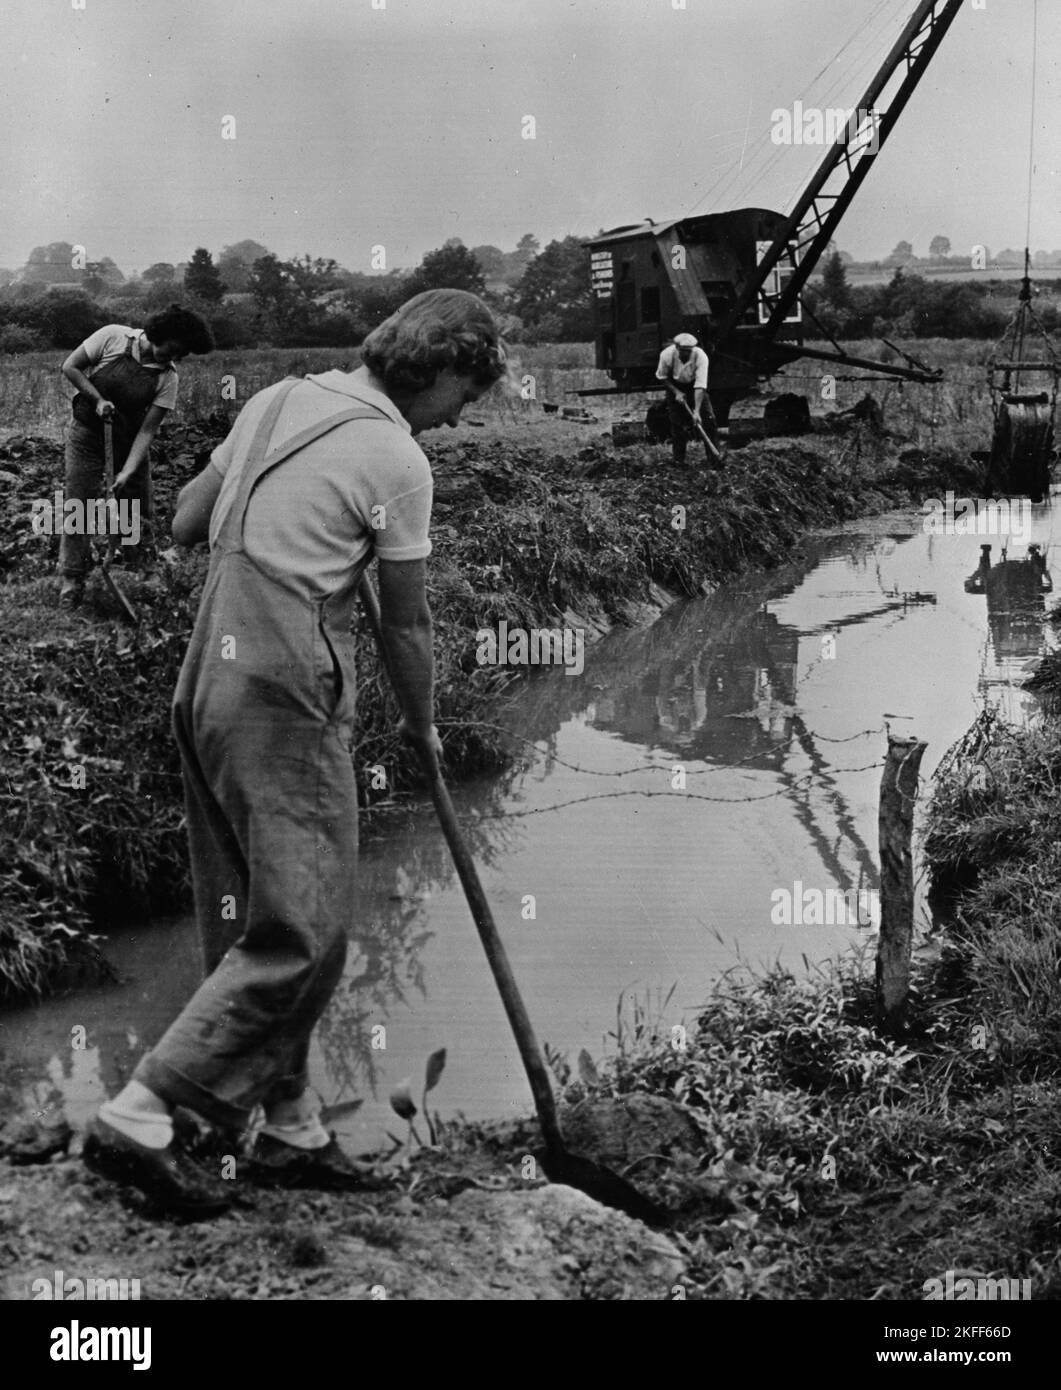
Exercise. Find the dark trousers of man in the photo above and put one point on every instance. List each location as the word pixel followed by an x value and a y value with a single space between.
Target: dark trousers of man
pixel 681 423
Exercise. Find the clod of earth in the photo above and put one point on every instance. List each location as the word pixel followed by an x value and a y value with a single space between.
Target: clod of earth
pixel 624 1131
pixel 30 1141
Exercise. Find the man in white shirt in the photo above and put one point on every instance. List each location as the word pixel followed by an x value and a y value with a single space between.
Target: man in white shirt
pixel 683 365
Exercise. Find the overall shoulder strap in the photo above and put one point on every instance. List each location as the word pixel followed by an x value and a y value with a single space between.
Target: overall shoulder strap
pixel 259 463
pixel 267 424
pixel 322 427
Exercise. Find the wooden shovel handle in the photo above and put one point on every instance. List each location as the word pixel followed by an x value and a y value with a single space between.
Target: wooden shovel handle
pixel 497 957
pixel 108 453
pixel 704 436
pixel 110 542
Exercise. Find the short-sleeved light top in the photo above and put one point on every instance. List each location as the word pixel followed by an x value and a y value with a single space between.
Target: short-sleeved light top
pixel 110 342
pixel 693 372
pixel 366 484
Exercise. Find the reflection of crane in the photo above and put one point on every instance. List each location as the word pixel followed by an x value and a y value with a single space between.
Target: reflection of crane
pixel 908 598
pixel 730 676
pixel 824 781
pixel 734 278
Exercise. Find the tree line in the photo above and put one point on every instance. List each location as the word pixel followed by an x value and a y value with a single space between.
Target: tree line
pixel 911 306
pixel 253 298
pixel 941 257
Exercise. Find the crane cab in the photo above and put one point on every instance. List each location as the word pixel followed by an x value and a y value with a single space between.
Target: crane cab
pixel 651 281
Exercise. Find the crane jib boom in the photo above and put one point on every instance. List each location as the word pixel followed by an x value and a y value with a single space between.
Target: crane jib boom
pixel 818 211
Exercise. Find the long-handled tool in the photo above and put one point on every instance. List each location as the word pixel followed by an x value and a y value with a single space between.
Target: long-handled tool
pixel 108 540
pixel 559 1163
pixel 705 438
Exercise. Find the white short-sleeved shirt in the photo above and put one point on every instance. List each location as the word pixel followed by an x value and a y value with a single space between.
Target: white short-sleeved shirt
pixel 313 517
pixel 693 372
pixel 110 342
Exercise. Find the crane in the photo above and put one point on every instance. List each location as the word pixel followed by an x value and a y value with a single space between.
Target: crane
pixel 734 278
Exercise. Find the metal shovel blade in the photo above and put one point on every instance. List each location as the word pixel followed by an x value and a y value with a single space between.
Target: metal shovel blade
pixel 602 1184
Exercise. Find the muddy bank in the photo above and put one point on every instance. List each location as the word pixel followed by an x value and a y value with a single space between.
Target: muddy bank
pixel 90 801
pixel 797 1156
pixel 455 1227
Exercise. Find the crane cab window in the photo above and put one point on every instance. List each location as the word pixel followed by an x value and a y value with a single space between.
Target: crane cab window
pixel 775 283
pixel 650 304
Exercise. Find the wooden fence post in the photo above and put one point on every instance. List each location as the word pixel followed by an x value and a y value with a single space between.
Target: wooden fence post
pixel 898 790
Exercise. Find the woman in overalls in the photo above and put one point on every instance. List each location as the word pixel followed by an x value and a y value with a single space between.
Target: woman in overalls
pixel 126 374
pixel 317 478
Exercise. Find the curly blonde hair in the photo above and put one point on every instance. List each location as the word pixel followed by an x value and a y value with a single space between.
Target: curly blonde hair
pixel 433 331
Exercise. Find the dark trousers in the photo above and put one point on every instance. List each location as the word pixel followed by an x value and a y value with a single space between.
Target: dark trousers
pixel 272 826
pixel 682 426
pixel 84 482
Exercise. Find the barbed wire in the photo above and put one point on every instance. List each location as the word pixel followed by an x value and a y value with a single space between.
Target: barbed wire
pixel 647 766
pixel 677 795
pixel 824 738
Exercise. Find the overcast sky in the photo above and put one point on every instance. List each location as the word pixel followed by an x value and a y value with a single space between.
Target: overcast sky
pixel 401 126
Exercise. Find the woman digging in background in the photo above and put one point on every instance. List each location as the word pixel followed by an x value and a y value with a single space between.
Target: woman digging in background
pixel 128 376
pixel 315 478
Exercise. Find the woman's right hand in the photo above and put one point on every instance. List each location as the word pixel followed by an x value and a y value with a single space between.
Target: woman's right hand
pixel 104 409
pixel 426 742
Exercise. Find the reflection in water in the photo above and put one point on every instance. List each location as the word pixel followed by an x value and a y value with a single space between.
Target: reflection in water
pixel 157 970
pixel 390 938
pixel 716 678
pixel 1016 606
pixel 772 696
pixel 717 681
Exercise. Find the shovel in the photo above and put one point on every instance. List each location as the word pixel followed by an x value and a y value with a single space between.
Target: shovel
pixel 105 560
pixel 560 1164
pixel 705 438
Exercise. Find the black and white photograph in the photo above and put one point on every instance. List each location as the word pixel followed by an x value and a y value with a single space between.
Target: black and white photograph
pixel 530 696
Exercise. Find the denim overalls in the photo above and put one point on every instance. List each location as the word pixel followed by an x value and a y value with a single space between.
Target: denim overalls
pixel 264 717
